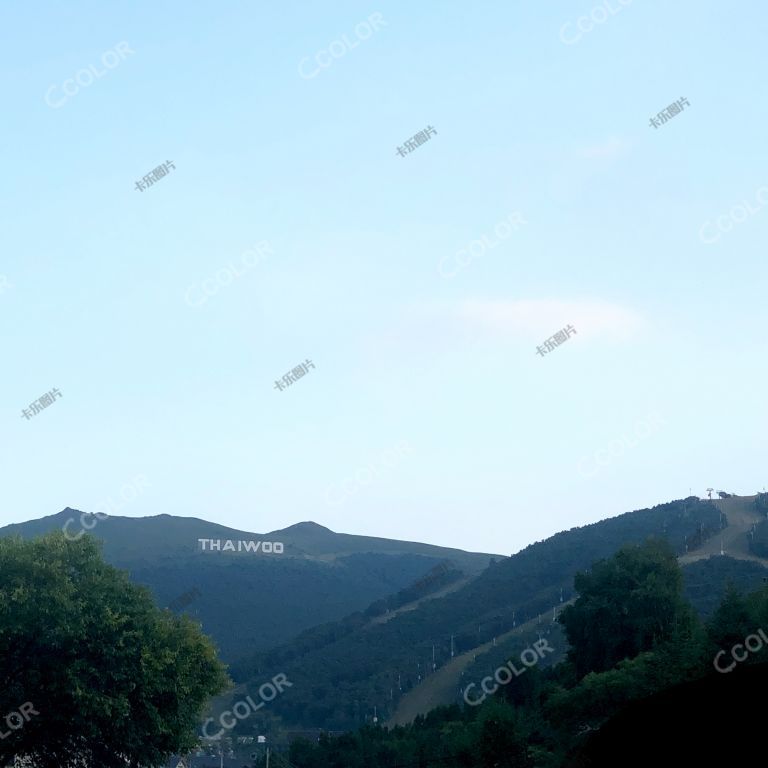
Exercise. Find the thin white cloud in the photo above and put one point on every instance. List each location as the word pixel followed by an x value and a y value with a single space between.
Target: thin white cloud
pixel 533 317
pixel 436 328
pixel 608 149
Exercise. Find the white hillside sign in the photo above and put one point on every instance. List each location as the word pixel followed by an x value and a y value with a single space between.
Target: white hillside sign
pixel 227 545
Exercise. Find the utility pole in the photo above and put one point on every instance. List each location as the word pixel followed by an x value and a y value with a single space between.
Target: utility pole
pixel 267 757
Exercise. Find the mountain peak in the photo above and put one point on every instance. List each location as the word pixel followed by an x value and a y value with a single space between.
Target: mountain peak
pixel 307 526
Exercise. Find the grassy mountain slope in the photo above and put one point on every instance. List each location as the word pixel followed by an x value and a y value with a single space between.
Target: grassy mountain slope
pixel 741 516
pixel 706 575
pixel 248 601
pixel 343 670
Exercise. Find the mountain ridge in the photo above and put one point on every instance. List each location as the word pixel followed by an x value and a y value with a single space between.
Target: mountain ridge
pixel 252 600
pixel 303 534
pixel 376 664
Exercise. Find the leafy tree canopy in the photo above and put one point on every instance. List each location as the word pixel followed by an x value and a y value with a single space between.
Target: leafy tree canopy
pixel 627 604
pixel 110 679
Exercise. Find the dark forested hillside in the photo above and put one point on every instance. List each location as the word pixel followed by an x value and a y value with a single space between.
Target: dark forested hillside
pixel 619 617
pixel 344 670
pixel 706 581
pixel 656 677
pixel 717 704
pixel 248 602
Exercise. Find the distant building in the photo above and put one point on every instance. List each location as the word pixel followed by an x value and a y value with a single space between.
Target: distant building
pixel 310 734
pixel 204 761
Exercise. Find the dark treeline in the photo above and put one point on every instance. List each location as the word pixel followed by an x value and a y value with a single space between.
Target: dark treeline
pixel 345 668
pixel 758 539
pixel 631 634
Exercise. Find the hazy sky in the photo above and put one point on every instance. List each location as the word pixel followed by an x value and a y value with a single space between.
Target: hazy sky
pixel 650 242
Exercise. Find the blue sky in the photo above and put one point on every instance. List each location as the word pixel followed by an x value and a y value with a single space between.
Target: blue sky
pixel 650 242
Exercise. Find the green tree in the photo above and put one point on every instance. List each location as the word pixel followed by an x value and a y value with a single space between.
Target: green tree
pixel 732 621
pixel 304 754
pixel 112 680
pixel 498 743
pixel 627 604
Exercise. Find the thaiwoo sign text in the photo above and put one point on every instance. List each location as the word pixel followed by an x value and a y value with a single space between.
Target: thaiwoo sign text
pixel 227 545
